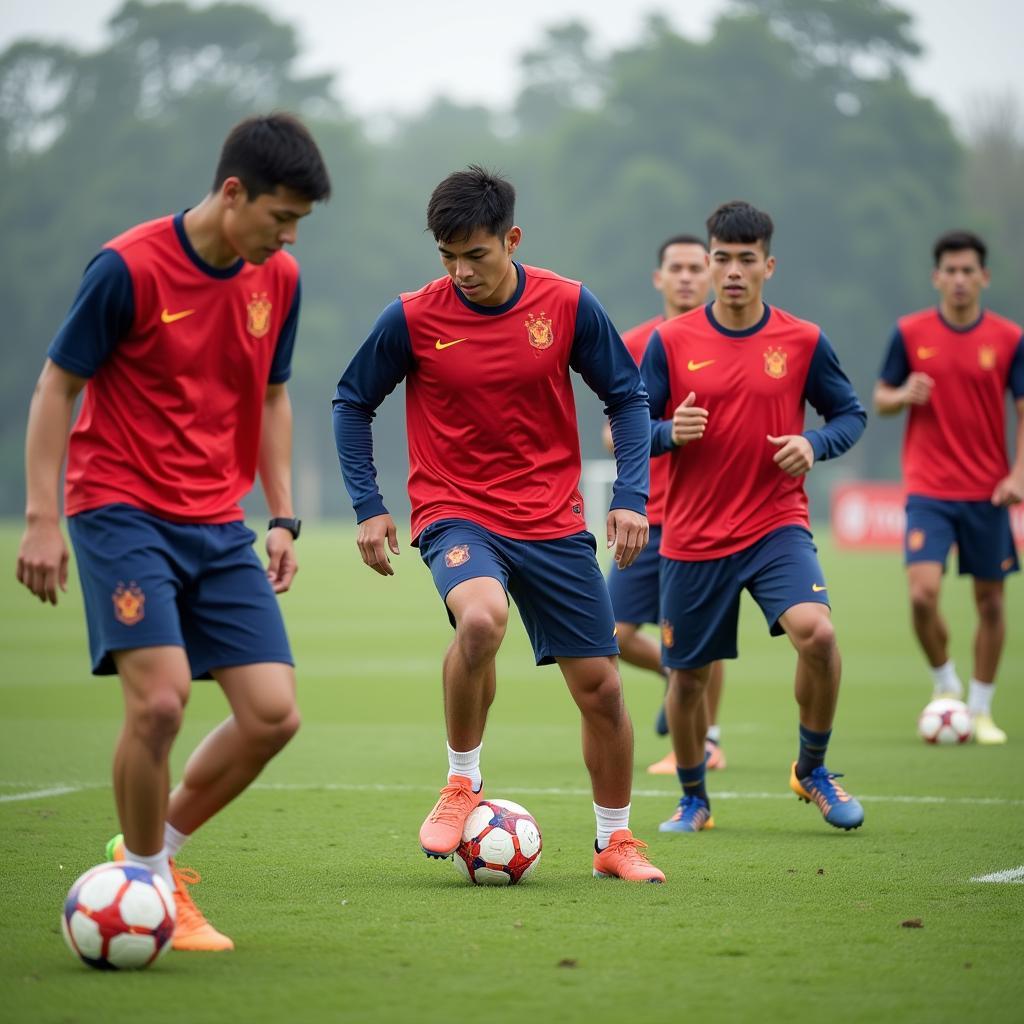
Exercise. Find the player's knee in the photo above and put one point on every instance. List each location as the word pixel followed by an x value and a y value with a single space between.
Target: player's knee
pixel 818 641
pixel 686 687
pixel 924 597
pixel 602 697
pixel 270 732
pixel 990 607
pixel 480 631
pixel 157 718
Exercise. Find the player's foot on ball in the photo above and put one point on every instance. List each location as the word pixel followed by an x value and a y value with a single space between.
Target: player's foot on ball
pixel 692 815
pixel 952 692
pixel 441 832
pixel 666 766
pixel 837 807
pixel 986 732
pixel 714 756
pixel 191 929
pixel 624 857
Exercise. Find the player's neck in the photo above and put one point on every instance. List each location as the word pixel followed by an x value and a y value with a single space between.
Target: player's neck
pixel 960 316
pixel 738 318
pixel 203 228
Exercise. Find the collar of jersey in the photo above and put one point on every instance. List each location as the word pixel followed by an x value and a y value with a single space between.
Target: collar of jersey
pixel 505 306
pixel 201 264
pixel 960 330
pixel 747 331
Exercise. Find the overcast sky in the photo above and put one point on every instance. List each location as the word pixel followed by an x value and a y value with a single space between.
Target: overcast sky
pixel 395 55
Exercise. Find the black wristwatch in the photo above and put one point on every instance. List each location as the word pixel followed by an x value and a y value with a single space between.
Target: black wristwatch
pixel 293 526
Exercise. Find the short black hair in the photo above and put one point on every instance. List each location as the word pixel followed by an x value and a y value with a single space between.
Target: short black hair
pixel 469 200
pixel 957 241
pixel 272 150
pixel 679 240
pixel 738 221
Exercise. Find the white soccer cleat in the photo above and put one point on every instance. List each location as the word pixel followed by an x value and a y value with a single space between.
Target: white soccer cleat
pixel 986 732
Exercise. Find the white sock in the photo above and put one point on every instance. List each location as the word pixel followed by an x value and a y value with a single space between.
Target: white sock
pixel 715 733
pixel 173 840
pixel 157 864
pixel 609 820
pixel 946 680
pixel 980 700
pixel 466 763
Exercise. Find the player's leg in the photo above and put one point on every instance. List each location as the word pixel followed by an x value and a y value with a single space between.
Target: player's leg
pixel 930 532
pixel 986 552
pixel 564 604
pixel 700 616
pixel 470 572
pixel 784 577
pixel 713 745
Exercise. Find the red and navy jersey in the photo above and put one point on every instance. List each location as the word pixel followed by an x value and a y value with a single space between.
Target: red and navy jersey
pixel 489 406
pixel 954 447
pixel 178 356
pixel 636 339
pixel 724 491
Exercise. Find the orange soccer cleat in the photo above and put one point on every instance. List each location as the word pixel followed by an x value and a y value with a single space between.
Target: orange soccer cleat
pixel 666 766
pixel 441 831
pixel 714 756
pixel 624 857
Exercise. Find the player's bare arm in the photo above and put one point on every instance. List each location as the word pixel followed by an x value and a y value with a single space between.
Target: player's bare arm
pixel 629 532
pixel 915 390
pixel 1010 490
pixel 689 421
pixel 275 465
pixel 373 538
pixel 795 455
pixel 606 438
pixel 43 555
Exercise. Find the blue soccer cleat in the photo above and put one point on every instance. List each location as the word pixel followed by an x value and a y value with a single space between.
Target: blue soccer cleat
pixel 692 815
pixel 837 807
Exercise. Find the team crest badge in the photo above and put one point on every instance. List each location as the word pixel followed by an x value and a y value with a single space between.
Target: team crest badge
pixel 668 634
pixel 915 540
pixel 259 308
pixel 775 363
pixel 456 556
pixel 987 357
pixel 538 330
pixel 129 603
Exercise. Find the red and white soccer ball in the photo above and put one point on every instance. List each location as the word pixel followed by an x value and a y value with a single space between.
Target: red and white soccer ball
pixel 500 845
pixel 118 916
pixel 945 721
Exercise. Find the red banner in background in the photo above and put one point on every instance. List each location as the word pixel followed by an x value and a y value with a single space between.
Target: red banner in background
pixel 871 514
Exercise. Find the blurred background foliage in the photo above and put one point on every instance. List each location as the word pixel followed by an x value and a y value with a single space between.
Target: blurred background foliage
pixel 800 106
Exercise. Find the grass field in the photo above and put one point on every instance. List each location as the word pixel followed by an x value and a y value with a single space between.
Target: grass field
pixel 337 916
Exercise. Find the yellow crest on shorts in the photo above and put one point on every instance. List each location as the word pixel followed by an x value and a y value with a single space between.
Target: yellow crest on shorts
pixel 668 634
pixel 987 357
pixel 259 308
pixel 129 603
pixel 775 363
pixel 456 556
pixel 915 540
pixel 539 330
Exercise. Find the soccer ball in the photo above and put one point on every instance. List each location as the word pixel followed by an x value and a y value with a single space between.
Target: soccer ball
pixel 118 916
pixel 500 844
pixel 945 721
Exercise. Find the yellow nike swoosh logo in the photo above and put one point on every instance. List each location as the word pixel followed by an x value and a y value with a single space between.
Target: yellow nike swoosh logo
pixel 817 588
pixel 693 367
pixel 169 318
pixel 448 344
pixel 927 353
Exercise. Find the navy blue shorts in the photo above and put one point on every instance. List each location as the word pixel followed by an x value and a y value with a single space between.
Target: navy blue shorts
pixel 148 582
pixel 980 530
pixel 700 601
pixel 635 591
pixel 556 584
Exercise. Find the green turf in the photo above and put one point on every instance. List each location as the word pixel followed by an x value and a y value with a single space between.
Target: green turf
pixel 317 874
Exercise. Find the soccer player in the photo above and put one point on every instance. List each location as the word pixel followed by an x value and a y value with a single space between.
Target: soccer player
pixel 733 379
pixel 951 367
pixel 494 470
pixel 683 280
pixel 181 337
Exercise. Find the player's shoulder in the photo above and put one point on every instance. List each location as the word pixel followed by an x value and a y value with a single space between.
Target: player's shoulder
pixel 1001 325
pixel 928 317
pixel 283 266
pixel 143 238
pixel 540 274
pixel 688 323
pixel 794 327
pixel 430 292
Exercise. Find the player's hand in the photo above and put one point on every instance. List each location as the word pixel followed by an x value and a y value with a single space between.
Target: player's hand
pixel 281 563
pixel 43 560
pixel 628 532
pixel 1009 491
pixel 917 389
pixel 689 421
pixel 795 455
pixel 374 537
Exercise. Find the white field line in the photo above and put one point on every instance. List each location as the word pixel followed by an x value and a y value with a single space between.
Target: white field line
pixel 62 789
pixel 1014 876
